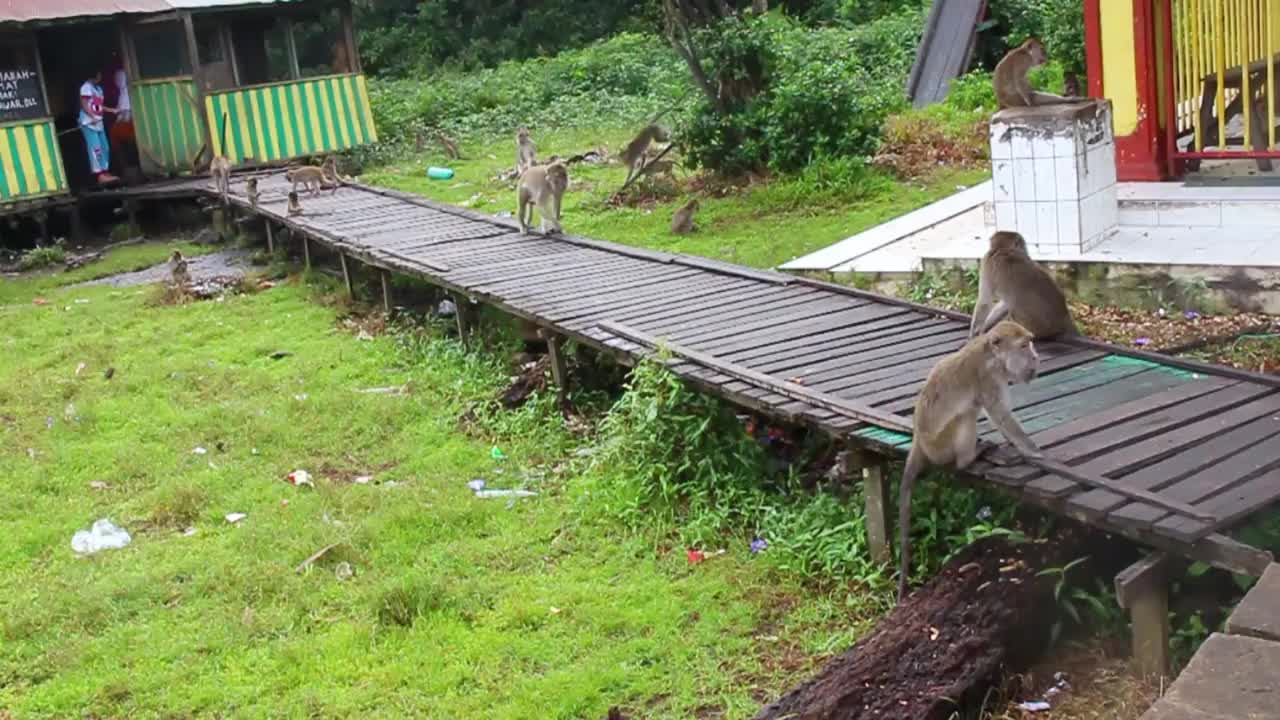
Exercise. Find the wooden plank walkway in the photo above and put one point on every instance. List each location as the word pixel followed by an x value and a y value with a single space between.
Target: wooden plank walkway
pixel 1201 435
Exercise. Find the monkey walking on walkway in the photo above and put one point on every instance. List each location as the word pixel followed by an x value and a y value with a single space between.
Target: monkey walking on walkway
pixel 544 186
pixel 1013 89
pixel 946 415
pixel 1011 284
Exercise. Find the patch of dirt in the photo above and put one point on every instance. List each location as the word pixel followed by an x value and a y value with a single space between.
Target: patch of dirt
pixel 917 147
pixel 987 609
pixel 1104 685
pixel 1164 331
pixel 366 326
pixel 532 378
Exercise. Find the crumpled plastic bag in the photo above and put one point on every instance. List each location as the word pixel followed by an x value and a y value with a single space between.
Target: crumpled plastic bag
pixel 104 535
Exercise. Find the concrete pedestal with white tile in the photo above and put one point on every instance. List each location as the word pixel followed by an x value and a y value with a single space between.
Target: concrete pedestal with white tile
pixel 1054 176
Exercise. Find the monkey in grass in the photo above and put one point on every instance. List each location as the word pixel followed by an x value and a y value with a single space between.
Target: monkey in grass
pixel 178 271
pixel 450 147
pixel 976 377
pixel 544 186
pixel 1013 89
pixel 682 221
pixel 634 154
pixel 526 151
pixel 1011 284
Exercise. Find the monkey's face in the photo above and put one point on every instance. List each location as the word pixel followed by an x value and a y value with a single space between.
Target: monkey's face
pixel 1013 345
pixel 1036 51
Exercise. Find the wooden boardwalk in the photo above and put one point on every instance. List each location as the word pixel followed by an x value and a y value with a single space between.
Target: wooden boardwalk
pixel 802 350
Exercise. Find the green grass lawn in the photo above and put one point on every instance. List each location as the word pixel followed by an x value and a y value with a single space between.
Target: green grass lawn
pixel 762 225
pixel 460 607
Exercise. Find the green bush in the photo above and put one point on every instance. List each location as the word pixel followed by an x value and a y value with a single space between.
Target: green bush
pixel 623 79
pixel 1059 24
pixel 821 92
pixel 41 257
pixel 403 37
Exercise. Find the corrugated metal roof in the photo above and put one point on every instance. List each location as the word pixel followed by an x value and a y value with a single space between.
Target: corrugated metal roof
pixel 29 10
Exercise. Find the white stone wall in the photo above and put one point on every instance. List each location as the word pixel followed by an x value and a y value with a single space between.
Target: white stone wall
pixel 1054 178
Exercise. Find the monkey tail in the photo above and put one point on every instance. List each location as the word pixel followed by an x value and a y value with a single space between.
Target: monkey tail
pixel 915 465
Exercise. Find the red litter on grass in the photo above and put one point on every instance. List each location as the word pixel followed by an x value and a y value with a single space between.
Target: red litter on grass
pixel 39 301
pixel 299 477
pixel 695 556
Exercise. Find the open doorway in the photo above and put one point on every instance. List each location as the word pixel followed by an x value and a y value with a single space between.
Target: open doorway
pixel 71 55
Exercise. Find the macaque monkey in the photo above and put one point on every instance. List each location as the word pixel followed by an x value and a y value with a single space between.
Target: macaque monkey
pixel 309 177
pixel 1010 78
pixel 659 167
pixel 251 187
pixel 220 169
pixel 682 221
pixel 178 271
pixel 946 416
pixel 450 147
pixel 295 207
pixel 526 151
pixel 544 186
pixel 634 154
pixel 1011 284
pixel 331 176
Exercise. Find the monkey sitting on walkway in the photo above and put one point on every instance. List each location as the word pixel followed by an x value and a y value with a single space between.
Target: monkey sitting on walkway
pixel 974 378
pixel 1011 284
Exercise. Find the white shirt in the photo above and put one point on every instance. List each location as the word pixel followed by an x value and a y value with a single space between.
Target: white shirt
pixel 122 82
pixel 92 119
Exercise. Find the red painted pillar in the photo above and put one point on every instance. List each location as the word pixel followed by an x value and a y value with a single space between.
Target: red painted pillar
pixel 1140 148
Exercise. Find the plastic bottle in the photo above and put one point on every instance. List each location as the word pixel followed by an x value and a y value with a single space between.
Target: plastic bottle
pixel 439 173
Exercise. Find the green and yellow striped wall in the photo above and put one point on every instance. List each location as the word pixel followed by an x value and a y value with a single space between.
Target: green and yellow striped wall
pixel 167 123
pixel 292 119
pixel 30 162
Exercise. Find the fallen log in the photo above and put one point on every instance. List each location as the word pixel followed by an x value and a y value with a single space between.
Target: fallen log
pixel 986 612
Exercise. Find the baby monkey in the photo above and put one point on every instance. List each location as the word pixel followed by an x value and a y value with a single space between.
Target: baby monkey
pixel 544 186
pixel 295 207
pixel 1011 284
pixel 1013 89
pixel 974 378
pixel 251 188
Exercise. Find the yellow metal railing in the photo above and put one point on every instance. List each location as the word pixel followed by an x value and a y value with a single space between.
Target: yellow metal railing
pixel 1224 66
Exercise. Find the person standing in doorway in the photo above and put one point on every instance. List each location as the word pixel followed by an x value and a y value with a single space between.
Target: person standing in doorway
pixel 95 134
pixel 121 132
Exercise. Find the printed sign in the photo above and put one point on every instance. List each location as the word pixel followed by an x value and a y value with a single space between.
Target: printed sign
pixel 20 95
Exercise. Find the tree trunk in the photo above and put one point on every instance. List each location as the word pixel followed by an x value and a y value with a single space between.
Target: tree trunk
pixel 985 612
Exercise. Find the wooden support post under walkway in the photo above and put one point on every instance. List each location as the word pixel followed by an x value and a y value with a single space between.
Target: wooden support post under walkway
pixel 386 291
pixel 559 370
pixel 875 491
pixel 271 236
pixel 306 253
pixel 346 276
pixel 462 315
pixel 1143 590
